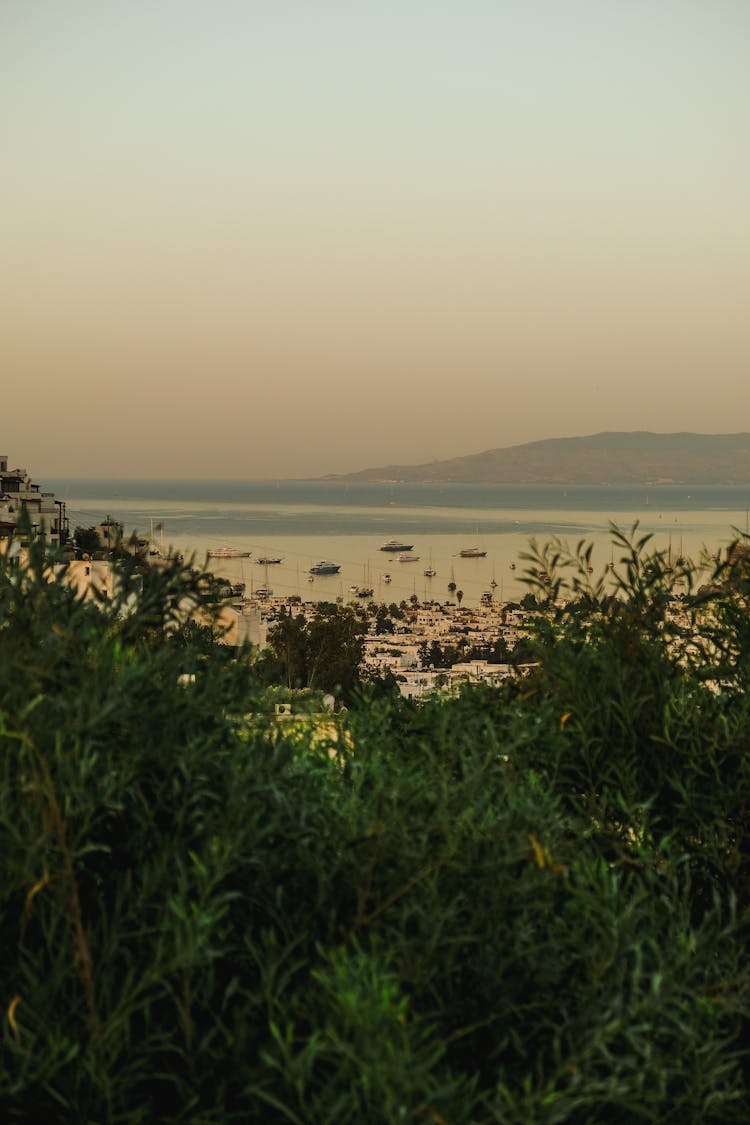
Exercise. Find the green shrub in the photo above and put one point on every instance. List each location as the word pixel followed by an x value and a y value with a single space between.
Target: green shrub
pixel 515 906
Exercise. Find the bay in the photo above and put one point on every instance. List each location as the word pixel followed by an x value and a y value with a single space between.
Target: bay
pixel 305 521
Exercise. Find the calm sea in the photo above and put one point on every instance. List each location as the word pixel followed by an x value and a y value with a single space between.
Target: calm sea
pixel 305 521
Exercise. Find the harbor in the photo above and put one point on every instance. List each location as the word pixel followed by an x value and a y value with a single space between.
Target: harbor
pixel 302 524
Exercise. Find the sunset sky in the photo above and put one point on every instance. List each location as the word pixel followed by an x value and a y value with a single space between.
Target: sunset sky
pixel 271 239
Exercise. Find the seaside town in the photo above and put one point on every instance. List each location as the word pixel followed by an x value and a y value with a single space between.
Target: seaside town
pixel 426 646
pixel 421 646
pixel 375 564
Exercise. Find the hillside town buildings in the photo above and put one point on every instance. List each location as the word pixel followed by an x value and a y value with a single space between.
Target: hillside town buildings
pixel 420 633
pixel 19 496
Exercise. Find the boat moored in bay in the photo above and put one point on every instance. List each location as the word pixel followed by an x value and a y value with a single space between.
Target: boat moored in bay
pixel 228 553
pixel 395 545
pixel 325 567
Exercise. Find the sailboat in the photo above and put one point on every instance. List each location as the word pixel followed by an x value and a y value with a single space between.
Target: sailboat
pixel 430 571
pixel 680 560
pixel 452 583
pixel 365 591
pixel 157 550
pixel 265 590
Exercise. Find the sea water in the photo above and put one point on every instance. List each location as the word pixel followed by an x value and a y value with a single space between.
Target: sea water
pixel 306 521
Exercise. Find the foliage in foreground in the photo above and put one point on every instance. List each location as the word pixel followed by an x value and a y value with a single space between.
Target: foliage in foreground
pixel 517 906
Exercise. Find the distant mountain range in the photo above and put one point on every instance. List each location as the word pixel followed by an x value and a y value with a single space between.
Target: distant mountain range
pixel 607 458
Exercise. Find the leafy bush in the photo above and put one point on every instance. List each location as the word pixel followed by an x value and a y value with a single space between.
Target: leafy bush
pixel 519 905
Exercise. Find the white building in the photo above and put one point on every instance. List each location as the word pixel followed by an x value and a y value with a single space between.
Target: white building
pixel 18 494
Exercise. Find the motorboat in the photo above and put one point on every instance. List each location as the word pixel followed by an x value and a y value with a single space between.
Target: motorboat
pixel 325 567
pixel 395 545
pixel 228 553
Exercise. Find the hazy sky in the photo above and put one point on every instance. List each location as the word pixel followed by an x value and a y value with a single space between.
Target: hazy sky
pixel 279 238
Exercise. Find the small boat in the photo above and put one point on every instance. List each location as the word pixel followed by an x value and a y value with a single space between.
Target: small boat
pixel 512 566
pixel 325 567
pixel 430 572
pixel 386 578
pixel 395 545
pixel 228 553
pixel 472 553
pixel 267 560
pixel 365 592
pixel 493 584
pixel 406 556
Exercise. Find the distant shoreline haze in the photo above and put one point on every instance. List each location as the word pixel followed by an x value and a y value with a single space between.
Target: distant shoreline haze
pixel 637 457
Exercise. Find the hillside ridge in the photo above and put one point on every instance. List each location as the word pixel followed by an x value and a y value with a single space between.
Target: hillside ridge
pixel 608 457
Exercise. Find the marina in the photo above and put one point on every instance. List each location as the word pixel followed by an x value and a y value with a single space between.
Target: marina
pixel 304 523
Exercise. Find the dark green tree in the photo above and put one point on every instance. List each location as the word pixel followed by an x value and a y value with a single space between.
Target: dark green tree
pixel 285 661
pixel 334 648
pixel 499 652
pixel 87 540
pixel 323 653
pixel 383 622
